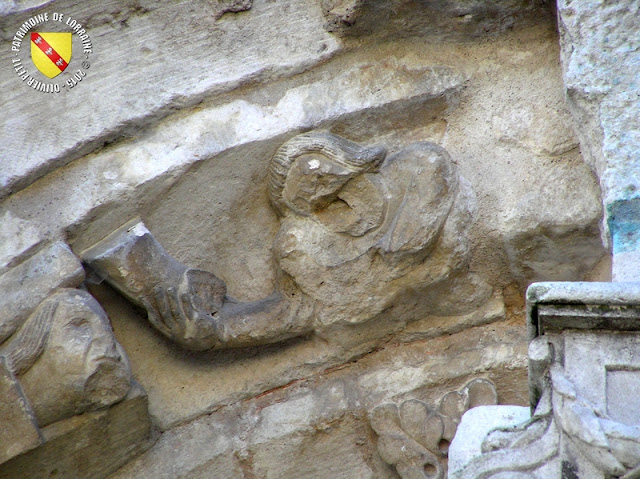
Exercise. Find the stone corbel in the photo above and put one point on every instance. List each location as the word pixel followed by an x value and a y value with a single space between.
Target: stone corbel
pixel 358 228
pixel 58 355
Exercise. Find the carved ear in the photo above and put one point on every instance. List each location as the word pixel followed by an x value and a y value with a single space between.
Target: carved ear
pixel 423 185
pixel 308 171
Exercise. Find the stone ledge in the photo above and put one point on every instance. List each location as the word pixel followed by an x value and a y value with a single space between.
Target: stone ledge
pixel 216 56
pixel 89 446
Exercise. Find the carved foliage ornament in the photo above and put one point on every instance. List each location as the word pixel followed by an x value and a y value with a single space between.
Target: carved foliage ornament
pixel 415 438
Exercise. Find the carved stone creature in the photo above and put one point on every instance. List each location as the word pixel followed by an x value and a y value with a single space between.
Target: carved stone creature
pixel 415 438
pixel 190 306
pixel 358 229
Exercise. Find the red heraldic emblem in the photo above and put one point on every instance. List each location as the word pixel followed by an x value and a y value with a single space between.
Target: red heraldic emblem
pixel 51 52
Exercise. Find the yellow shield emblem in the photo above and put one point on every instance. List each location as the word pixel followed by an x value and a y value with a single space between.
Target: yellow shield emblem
pixel 51 52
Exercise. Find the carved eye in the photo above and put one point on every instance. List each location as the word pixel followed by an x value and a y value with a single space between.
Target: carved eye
pixel 78 322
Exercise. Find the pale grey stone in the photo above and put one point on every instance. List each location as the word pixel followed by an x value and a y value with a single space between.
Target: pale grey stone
pixel 141 171
pixel 18 238
pixel 476 423
pixel 209 55
pixel 583 369
pixel 19 428
pixel 26 285
pixel 599 58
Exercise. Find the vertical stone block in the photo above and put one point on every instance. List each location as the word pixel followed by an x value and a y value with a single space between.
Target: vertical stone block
pixel 18 428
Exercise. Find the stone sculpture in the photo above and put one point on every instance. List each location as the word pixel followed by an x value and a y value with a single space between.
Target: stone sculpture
pixel 584 372
pixel 357 229
pixel 415 438
pixel 58 359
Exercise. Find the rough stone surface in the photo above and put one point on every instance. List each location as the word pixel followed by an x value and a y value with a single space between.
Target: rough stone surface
pixel 19 428
pixel 415 438
pixel 599 58
pixel 58 357
pixel 213 379
pixel 51 268
pixel 88 446
pixel 182 109
pixel 315 419
pixel 582 376
pixel 358 230
pixel 439 19
pixel 597 45
pixel 213 60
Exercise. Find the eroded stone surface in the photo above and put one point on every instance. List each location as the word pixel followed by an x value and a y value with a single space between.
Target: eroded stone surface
pixel 327 416
pixel 358 230
pixel 19 428
pixel 440 19
pixel 600 57
pixel 225 52
pixel 51 268
pixel 415 438
pixel 58 354
pixel 193 164
pixel 582 363
pixel 95 444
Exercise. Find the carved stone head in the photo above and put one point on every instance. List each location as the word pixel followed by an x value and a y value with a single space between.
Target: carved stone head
pixel 80 365
pixel 359 227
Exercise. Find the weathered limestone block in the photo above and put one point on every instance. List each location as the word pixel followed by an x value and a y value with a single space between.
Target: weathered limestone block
pixel 358 230
pixel 442 19
pixel 208 54
pixel 18 426
pixel 309 434
pixel 599 58
pixel 18 239
pixel 415 438
pixel 89 446
pixel 319 427
pixel 26 285
pixel 183 385
pixel 583 371
pixel 120 181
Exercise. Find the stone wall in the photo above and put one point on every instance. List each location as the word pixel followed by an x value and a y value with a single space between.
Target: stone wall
pixel 182 108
